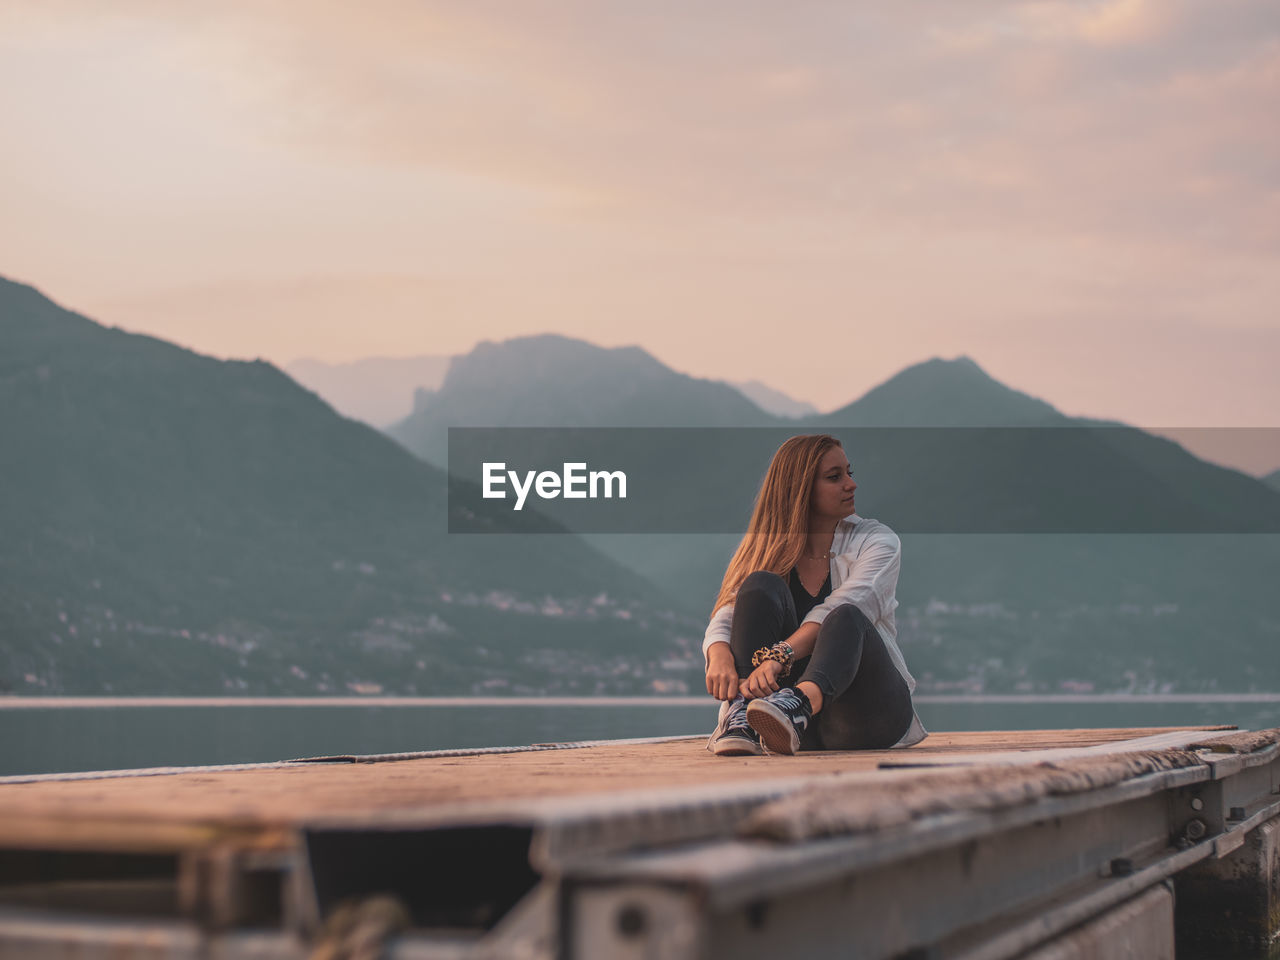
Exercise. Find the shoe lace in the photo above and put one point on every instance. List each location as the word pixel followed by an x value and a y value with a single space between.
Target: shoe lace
pixel 737 719
pixel 787 699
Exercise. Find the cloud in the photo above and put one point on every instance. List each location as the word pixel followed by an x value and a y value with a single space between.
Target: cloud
pixel 1125 117
pixel 956 161
pixel 1103 118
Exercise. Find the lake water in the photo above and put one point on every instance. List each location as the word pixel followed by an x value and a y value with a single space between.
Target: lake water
pixel 64 735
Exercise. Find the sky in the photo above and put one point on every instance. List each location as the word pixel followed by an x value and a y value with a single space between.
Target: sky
pixel 1084 197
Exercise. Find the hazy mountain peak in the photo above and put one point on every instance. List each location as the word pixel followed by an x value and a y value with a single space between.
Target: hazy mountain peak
pixel 553 380
pixel 26 308
pixel 377 390
pixel 960 369
pixel 773 401
pixel 1272 479
pixel 548 355
pixel 941 392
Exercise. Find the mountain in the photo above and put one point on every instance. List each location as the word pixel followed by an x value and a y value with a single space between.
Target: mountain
pixel 556 381
pixel 375 390
pixel 985 608
pixel 773 401
pixel 1272 480
pixel 178 524
pixel 943 393
pixel 1061 475
pixel 1135 613
pixel 173 523
pixel 561 382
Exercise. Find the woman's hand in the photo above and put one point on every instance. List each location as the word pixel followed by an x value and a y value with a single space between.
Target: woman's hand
pixel 722 673
pixel 763 680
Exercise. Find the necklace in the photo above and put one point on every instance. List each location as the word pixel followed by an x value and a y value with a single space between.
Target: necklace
pixel 814 592
pixel 826 556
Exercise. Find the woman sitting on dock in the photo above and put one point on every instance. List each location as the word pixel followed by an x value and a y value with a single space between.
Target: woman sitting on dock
pixel 801 647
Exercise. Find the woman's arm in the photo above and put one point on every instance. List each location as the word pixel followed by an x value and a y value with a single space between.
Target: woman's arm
pixel 803 639
pixel 721 673
pixel 718 630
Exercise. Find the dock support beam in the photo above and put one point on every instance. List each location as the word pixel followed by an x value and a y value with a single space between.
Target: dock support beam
pixel 1236 898
pixel 1139 929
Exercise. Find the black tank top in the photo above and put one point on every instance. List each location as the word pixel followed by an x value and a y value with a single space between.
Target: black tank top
pixel 804 601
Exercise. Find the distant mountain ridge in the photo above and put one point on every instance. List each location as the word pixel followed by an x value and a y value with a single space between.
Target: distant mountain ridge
pixel 1134 478
pixel 175 523
pixel 376 390
pixel 774 401
pixel 557 381
pixel 986 612
pixel 179 524
pixel 944 393
pixel 1272 479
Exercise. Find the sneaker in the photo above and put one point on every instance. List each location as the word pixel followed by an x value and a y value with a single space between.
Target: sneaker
pixel 736 739
pixel 780 719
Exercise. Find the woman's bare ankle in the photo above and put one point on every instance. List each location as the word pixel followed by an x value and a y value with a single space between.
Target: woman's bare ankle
pixel 812 691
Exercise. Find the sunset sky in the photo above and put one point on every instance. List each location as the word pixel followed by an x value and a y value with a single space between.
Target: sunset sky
pixel 1082 196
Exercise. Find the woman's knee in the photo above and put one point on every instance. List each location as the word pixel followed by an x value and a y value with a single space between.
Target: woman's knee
pixel 762 582
pixel 846 617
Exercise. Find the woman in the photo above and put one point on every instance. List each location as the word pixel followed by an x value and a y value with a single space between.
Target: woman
pixel 801 645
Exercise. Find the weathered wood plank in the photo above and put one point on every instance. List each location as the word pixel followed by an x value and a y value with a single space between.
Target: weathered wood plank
pixel 192 809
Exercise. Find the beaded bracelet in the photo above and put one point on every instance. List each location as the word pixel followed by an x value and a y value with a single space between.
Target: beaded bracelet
pixel 779 652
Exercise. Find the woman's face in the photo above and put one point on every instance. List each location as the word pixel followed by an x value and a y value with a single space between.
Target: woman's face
pixel 832 497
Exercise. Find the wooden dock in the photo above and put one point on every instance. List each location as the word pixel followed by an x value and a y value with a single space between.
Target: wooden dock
pixel 968 845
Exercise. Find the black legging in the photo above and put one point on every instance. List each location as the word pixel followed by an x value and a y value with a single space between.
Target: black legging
pixel 866 703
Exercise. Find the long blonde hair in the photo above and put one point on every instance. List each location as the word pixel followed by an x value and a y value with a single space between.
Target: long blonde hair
pixel 778 533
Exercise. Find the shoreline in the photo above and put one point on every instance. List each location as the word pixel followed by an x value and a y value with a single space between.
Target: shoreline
pixel 104 702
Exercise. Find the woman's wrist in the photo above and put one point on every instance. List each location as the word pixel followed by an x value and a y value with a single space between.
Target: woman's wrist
pixel 780 653
pixel 719 652
pixel 802 641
